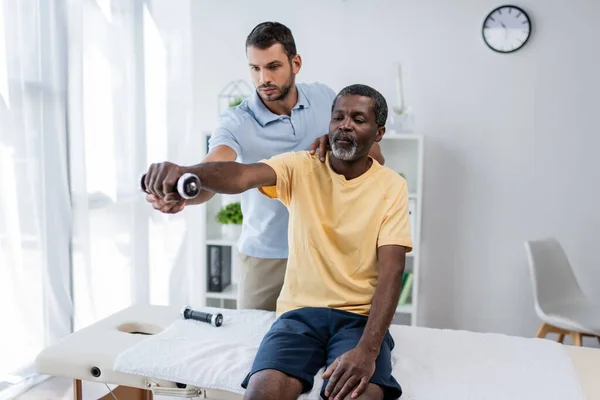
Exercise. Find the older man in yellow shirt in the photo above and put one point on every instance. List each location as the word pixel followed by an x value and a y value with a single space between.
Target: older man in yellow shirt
pixel 349 234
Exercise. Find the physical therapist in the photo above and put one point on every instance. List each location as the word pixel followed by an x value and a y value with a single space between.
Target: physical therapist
pixel 280 116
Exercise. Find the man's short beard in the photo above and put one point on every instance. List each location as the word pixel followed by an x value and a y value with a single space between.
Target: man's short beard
pixel 344 154
pixel 285 89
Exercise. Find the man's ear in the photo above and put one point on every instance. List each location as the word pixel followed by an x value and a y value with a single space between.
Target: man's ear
pixel 296 63
pixel 380 133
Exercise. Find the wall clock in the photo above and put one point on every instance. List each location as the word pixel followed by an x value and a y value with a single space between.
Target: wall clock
pixel 506 29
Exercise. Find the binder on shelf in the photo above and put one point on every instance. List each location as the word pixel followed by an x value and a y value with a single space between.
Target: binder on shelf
pixel 407 280
pixel 218 267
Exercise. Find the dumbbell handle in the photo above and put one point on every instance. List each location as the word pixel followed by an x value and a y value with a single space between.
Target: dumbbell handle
pixel 187 185
pixel 212 319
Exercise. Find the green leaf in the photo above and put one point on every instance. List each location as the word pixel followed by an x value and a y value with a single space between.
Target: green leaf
pixel 230 214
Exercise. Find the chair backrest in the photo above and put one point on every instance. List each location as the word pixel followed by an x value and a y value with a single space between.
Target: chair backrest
pixel 552 277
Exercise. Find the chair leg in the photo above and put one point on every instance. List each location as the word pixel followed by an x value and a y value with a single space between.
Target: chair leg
pixel 543 330
pixel 576 337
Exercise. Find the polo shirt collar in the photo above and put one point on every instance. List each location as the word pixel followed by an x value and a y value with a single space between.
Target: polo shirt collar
pixel 263 115
pixel 302 100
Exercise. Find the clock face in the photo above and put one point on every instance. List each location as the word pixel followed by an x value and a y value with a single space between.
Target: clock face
pixel 506 29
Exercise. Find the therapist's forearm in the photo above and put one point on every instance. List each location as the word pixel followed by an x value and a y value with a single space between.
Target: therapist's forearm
pixel 376 153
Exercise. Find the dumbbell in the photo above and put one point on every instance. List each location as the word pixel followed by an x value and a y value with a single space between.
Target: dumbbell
pixel 212 319
pixel 188 185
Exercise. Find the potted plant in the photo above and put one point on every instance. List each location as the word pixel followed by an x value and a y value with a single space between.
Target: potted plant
pixel 235 102
pixel 230 217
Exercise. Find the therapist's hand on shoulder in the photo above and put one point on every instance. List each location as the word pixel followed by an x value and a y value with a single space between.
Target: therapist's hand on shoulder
pixel 350 374
pixel 322 144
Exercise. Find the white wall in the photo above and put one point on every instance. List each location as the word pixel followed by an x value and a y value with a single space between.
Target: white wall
pixel 511 139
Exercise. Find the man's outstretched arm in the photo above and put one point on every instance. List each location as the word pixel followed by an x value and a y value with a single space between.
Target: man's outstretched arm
pixel 171 204
pixel 227 177
pixel 233 177
pixel 351 372
pixel 219 153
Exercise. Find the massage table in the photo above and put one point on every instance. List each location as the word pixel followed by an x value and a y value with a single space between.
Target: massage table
pixel 91 354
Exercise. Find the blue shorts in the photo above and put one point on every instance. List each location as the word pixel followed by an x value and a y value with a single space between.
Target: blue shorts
pixel 302 341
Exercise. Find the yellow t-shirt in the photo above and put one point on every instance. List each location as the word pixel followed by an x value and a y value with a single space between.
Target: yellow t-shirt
pixel 335 227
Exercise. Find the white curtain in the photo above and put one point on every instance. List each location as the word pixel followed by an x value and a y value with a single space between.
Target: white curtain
pixel 92 91
pixel 35 213
pixel 130 105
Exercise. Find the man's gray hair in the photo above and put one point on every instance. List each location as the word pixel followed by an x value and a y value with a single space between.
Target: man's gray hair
pixel 381 108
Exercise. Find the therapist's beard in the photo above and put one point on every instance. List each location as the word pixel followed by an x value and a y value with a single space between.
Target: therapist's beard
pixel 284 90
pixel 344 152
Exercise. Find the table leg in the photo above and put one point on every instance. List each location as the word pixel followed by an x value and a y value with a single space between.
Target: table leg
pixel 122 393
pixel 147 395
pixel 128 393
pixel 77 390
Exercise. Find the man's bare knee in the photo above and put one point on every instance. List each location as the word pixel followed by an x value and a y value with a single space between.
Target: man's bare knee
pixel 270 384
pixel 373 392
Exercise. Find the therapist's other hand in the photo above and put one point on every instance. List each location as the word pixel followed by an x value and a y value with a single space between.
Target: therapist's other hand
pixel 350 372
pixel 322 144
pixel 161 179
pixel 169 205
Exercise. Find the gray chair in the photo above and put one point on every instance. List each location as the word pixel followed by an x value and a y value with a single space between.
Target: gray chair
pixel 559 301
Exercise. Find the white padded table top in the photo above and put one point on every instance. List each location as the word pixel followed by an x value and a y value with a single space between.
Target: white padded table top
pixel 100 344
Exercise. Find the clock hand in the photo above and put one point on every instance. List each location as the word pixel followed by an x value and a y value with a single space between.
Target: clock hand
pixel 505 30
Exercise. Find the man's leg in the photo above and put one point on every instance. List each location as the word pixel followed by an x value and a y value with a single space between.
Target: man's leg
pixel 289 356
pixel 346 329
pixel 270 384
pixel 373 392
pixel 260 282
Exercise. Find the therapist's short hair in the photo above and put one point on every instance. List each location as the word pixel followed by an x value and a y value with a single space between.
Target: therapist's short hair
pixel 381 108
pixel 266 34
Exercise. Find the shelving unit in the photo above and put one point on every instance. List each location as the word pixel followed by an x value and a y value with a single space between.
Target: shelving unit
pixel 230 293
pixel 228 297
pixel 404 154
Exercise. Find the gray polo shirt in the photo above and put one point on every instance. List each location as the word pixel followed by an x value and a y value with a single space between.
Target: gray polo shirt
pixel 255 133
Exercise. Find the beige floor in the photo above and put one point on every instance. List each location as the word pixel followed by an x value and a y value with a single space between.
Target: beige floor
pixel 62 389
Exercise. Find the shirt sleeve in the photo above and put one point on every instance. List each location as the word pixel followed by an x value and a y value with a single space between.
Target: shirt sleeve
pixel 395 228
pixel 330 94
pixel 230 124
pixel 223 136
pixel 283 165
